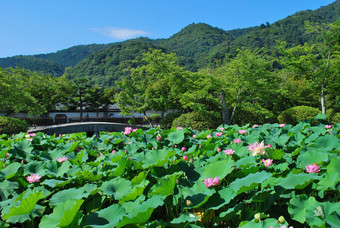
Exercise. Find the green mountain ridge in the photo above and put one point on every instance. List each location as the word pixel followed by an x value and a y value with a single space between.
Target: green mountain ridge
pixel 197 46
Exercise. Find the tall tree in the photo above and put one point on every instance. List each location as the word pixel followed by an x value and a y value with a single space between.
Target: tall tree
pixel 247 79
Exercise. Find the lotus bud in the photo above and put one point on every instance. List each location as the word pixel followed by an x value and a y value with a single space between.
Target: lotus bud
pixel 188 202
pixel 282 219
pixel 257 216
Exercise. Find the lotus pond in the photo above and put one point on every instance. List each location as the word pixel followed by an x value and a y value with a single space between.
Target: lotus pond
pixel 251 176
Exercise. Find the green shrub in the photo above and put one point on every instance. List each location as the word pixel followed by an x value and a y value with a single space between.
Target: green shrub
pixel 253 115
pixel 166 121
pixel 155 118
pixel 11 126
pixel 132 120
pixel 336 118
pixel 198 120
pixel 296 114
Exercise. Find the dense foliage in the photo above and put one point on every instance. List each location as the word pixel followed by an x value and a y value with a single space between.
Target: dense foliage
pixel 247 75
pixel 106 66
pixel 296 114
pixel 11 126
pixel 52 63
pixel 260 176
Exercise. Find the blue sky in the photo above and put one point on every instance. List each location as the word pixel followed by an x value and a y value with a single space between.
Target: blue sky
pixel 44 26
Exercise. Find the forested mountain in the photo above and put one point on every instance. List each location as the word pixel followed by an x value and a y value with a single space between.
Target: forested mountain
pixel 44 66
pixel 291 29
pixel 107 65
pixel 197 46
pixel 52 63
pixel 193 43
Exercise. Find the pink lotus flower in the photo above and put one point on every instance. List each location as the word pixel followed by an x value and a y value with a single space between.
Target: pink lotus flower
pixel 267 162
pixel 237 141
pixel 194 136
pixel 33 178
pixel 191 161
pixel 257 148
pixel 229 151
pixel 255 126
pixel 184 148
pixel 134 130
pixel 159 138
pixel 218 149
pixel 62 159
pixel 328 126
pixel 185 158
pixel 113 151
pixel 209 136
pixel 282 125
pixel 219 134
pixel 221 129
pixel 7 155
pixel 211 182
pixel 179 128
pixel 127 130
pixel 30 139
pixel 312 168
pixel 242 132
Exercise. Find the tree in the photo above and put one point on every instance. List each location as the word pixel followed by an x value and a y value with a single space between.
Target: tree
pixel 25 91
pixel 153 86
pixel 318 63
pixel 81 87
pixel 247 79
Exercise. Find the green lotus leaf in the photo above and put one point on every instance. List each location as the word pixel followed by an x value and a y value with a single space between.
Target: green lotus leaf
pixel 22 149
pixel 198 194
pixel 275 154
pixel 65 214
pixel 186 217
pixel 136 191
pixel 131 205
pixel 302 206
pixel 165 185
pixel 264 223
pixel 218 169
pixel 7 188
pixel 333 166
pixel 107 217
pixel 64 148
pixel 245 162
pixel 249 182
pixel 333 220
pixel 298 181
pixel 34 167
pixel 223 197
pixel 142 212
pixel 120 169
pixel 52 182
pixel 176 137
pixel 157 158
pixel 68 194
pixel 27 209
pixel 313 137
pixel 327 143
pixel 10 171
pixel 312 156
pixel 117 188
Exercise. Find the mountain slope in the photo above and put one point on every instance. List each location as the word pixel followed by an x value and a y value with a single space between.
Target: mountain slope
pixel 104 67
pixel 52 63
pixel 291 29
pixel 193 43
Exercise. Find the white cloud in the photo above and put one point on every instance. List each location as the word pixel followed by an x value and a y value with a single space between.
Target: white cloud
pixel 120 33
